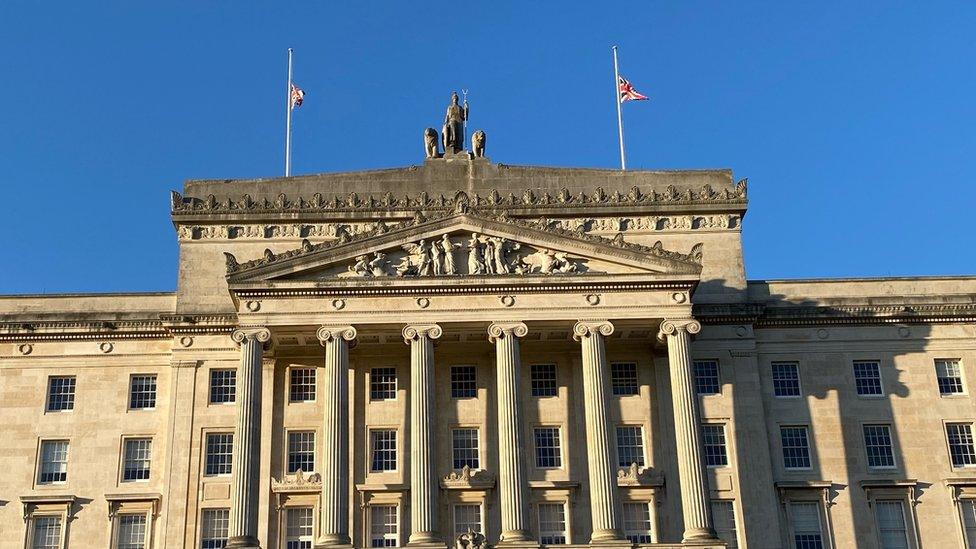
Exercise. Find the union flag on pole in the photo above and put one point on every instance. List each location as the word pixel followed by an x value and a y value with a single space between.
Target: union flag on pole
pixel 297 96
pixel 627 91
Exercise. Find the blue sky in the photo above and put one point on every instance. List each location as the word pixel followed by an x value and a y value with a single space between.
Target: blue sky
pixel 854 121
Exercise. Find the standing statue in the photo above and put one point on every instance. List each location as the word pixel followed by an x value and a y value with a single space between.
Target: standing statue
pixel 478 139
pixel 437 254
pixel 448 248
pixel 476 264
pixel 490 258
pixel 499 258
pixel 453 131
pixel 430 142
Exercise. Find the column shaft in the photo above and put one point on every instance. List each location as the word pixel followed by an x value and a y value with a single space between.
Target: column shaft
pixel 423 482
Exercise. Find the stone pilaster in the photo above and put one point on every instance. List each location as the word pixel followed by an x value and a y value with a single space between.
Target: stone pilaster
pixel 243 528
pixel 423 482
pixel 604 497
pixel 334 523
pixel 512 476
pixel 695 502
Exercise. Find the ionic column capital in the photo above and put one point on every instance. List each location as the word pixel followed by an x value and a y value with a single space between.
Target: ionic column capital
pixel 413 332
pixel 587 328
pixel 674 326
pixel 335 332
pixel 501 330
pixel 253 333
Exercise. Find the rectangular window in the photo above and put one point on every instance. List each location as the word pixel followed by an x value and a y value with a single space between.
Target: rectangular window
pixel 961 447
pixel 54 462
pixel 548 453
pixel 298 528
pixel 215 523
pixel 552 524
pixel 706 377
pixel 382 384
pixel 630 445
pixel 796 447
pixel 467 518
pixel 466 452
pixel 463 382
pixel 723 515
pixel 637 522
pixel 301 385
pixel 949 375
pixel 301 451
pixel 867 378
pixel 968 509
pixel 223 386
pixel 623 378
pixel 383 526
pixel 891 524
pixel 806 525
pixel 137 453
pixel 543 380
pixel 132 532
pixel 60 393
pixel 142 392
pixel 713 444
pixel 220 454
pixel 46 533
pixel 383 446
pixel 877 442
pixel 786 379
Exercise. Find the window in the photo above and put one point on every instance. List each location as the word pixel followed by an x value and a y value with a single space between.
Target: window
pixel 623 378
pixel 891 524
pixel 552 524
pixel 961 447
pixel 547 448
pixel 543 380
pixel 463 382
pixel 298 528
pixel 723 515
pixel 466 453
pixel 132 532
pixel 949 375
pixel 137 455
pixel 806 526
pixel 60 393
pixel 214 529
pixel 877 442
pixel 706 377
pixel 467 518
pixel 142 392
pixel 301 385
pixel 46 533
pixel 786 379
pixel 54 462
pixel 223 386
pixel 796 447
pixel 630 445
pixel 382 384
pixel 713 443
pixel 637 522
pixel 968 509
pixel 301 451
pixel 383 445
pixel 383 526
pixel 220 453
pixel 867 378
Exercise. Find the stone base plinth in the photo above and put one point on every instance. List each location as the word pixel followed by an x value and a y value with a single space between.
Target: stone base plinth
pixel 243 542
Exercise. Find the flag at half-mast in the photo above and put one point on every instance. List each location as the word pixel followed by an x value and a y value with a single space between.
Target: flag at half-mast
pixel 297 96
pixel 627 91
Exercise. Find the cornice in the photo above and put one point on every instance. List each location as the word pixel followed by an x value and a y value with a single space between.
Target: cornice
pixel 762 316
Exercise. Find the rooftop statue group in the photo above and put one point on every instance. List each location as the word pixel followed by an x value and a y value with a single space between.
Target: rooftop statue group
pixel 452 133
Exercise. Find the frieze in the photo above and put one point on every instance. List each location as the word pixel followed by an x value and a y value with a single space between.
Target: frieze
pixel 336 231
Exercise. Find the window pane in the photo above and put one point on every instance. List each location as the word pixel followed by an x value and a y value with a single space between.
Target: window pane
pixel 867 378
pixel 968 509
pixel 61 393
pixel 552 524
pixel 786 379
pixel 547 447
pixel 132 532
pixel 301 451
pixel 47 533
pixel 891 524
pixel 384 450
pixel 623 378
pixel 877 442
pixel 298 529
pixel 142 392
pixel 382 384
pixel 220 453
pixel 466 451
pixel 223 386
pixel 706 377
pixel 138 456
pixel 949 374
pixel 463 382
pixel 467 518
pixel 961 448
pixel 544 380
pixel 630 446
pixel 54 461
pixel 723 514
pixel 214 528
pixel 713 444
pixel 806 525
pixel 796 447
pixel 301 385
pixel 383 527
pixel 637 522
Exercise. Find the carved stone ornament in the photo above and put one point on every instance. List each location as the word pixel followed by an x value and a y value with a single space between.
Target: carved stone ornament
pixel 416 331
pixel 299 482
pixel 471 540
pixel 587 328
pixel 466 478
pixel 335 332
pixel 502 330
pixel 256 333
pixel 635 476
pixel 672 327
pixel 478 140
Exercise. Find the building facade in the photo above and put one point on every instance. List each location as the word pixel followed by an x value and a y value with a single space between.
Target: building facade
pixel 466 353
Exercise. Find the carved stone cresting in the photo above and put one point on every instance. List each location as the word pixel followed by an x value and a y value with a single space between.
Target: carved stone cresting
pixel 415 331
pixel 256 333
pixel 299 482
pixel 467 478
pixel 501 330
pixel 586 328
pixel 673 326
pixel 332 332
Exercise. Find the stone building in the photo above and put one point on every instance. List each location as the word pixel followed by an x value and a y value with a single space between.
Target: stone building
pixel 462 353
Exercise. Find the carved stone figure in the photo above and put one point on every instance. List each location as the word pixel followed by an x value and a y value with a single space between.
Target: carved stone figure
pixel 491 265
pixel 498 259
pixel 448 247
pixel 471 540
pixel 377 266
pixel 430 143
pixel 476 263
pixel 425 261
pixel 453 131
pixel 437 254
pixel 361 266
pixel 478 143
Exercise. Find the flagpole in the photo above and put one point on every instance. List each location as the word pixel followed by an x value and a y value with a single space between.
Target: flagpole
pixel 288 119
pixel 620 119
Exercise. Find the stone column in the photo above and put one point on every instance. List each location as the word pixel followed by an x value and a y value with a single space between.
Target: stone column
pixel 695 501
pixel 512 478
pixel 423 482
pixel 243 528
pixel 604 496
pixel 334 524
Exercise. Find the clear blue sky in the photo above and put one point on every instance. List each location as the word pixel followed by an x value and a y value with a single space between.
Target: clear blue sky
pixel 854 121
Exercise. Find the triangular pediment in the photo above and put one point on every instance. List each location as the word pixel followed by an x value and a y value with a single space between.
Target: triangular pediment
pixel 462 245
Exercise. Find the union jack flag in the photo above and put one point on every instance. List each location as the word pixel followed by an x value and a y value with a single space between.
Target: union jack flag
pixel 627 91
pixel 297 96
